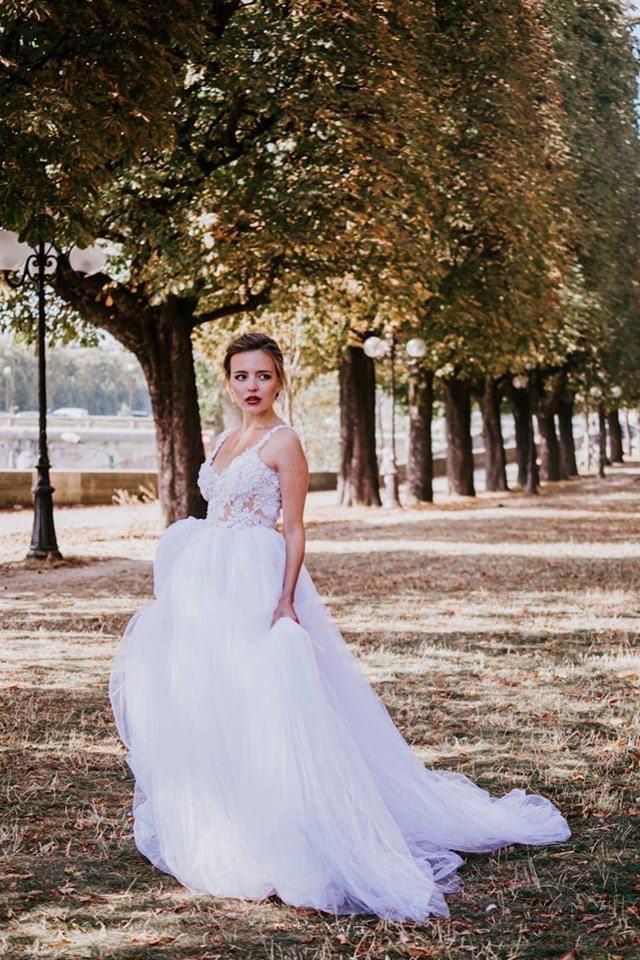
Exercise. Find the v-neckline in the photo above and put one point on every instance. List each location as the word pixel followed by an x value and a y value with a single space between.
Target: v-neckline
pixel 218 473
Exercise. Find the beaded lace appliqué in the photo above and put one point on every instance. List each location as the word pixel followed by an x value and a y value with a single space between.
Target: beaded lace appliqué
pixel 245 493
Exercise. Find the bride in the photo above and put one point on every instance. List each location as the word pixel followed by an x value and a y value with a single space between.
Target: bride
pixel 264 762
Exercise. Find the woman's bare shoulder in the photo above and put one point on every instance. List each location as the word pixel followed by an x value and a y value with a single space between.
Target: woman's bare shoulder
pixel 283 447
pixel 286 439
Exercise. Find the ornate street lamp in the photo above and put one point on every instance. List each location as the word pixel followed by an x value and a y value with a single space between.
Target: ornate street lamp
pixel 7 372
pixel 33 265
pixel 377 348
pixel 616 393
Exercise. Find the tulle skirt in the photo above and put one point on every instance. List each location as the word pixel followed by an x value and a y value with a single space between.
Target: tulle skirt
pixel 265 763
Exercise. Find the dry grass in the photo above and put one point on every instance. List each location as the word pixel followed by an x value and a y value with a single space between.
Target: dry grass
pixel 503 638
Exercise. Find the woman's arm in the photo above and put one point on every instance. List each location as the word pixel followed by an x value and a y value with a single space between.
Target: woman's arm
pixel 288 458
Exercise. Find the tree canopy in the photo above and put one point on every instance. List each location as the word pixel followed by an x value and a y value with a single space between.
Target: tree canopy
pixel 84 86
pixel 461 170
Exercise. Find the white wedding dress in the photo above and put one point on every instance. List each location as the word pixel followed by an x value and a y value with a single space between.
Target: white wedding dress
pixel 264 762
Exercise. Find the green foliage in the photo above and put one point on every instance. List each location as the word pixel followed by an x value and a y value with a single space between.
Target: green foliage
pixel 460 170
pixel 84 86
pixel 499 230
pixel 210 386
pixel 103 382
pixel 298 153
pixel 597 70
pixel 19 315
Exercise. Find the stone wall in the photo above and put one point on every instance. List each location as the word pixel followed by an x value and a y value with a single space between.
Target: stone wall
pixel 95 487
pixel 72 487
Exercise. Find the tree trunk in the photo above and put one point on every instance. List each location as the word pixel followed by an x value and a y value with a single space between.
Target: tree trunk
pixel 533 474
pixel 420 458
pixel 567 441
pixel 358 482
pixel 602 439
pixel 495 459
pixel 547 389
pixel 627 432
pixel 459 444
pixel 166 357
pixel 615 436
pixel 521 410
pixel 160 337
pixel 551 467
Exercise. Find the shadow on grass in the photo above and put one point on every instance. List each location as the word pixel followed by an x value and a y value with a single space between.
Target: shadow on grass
pixel 586 527
pixel 78 887
pixel 511 669
pixel 398 573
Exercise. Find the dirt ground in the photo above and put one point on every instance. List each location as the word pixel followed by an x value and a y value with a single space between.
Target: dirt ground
pixel 502 634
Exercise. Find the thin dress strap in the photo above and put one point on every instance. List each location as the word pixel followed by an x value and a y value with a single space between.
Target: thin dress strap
pixel 222 437
pixel 269 434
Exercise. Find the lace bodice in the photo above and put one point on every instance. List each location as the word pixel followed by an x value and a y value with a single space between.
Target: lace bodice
pixel 245 493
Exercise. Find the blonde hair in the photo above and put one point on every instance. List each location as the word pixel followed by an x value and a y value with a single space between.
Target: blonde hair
pixel 256 341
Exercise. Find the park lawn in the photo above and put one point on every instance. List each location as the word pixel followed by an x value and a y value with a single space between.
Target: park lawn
pixel 502 635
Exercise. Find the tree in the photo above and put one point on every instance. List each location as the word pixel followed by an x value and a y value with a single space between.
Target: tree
pixel 470 199
pixel 94 379
pixel 420 457
pixel 495 458
pixel 519 392
pixel 596 68
pixel 358 476
pixel 547 398
pixel 457 407
pixel 615 436
pixel 497 224
pixel 292 154
pixel 84 87
pixel 565 434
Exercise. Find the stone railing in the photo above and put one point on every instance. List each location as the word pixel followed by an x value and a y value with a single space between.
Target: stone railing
pixel 96 487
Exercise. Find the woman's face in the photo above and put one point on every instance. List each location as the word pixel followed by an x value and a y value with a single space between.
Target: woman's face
pixel 253 380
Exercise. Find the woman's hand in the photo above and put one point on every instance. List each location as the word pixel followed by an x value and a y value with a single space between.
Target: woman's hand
pixel 285 608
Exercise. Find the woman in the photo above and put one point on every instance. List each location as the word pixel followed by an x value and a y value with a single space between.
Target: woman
pixel 264 762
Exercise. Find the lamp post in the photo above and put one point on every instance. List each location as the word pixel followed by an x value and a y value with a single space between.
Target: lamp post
pixel 24 264
pixel 7 372
pixel 377 348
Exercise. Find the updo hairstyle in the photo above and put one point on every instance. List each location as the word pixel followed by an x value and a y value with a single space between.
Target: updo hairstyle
pixel 256 341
